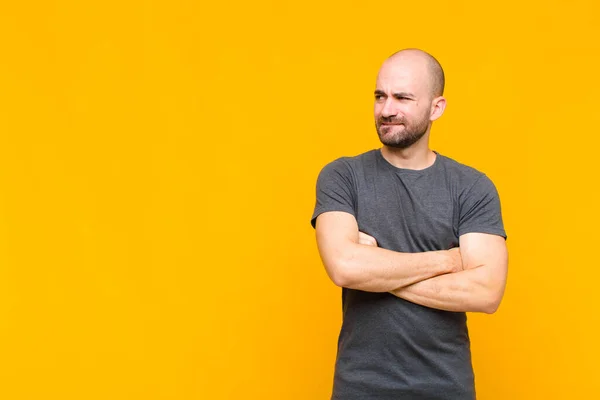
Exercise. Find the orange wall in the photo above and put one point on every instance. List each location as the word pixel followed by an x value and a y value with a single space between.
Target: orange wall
pixel 157 171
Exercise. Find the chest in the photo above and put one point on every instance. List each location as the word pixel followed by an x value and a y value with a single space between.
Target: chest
pixel 408 213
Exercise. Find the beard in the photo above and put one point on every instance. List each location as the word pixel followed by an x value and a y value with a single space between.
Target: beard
pixel 403 135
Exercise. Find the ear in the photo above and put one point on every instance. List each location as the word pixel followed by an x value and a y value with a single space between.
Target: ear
pixel 438 105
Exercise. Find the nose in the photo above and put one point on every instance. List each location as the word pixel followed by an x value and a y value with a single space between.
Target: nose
pixel 388 109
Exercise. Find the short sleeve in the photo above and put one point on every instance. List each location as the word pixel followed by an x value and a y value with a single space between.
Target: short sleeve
pixel 335 190
pixel 480 209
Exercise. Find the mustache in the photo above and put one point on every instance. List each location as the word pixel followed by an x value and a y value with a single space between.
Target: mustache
pixel 390 120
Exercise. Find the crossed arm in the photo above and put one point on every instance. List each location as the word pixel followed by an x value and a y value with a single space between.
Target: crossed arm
pixel 470 279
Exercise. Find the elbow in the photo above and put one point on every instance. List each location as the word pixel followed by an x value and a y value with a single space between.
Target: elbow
pixel 489 295
pixel 491 303
pixel 339 273
pixel 338 279
pixel 490 308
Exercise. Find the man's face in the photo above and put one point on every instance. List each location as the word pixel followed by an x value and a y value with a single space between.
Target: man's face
pixel 402 104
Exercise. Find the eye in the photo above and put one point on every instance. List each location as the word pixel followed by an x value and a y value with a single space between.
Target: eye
pixel 378 96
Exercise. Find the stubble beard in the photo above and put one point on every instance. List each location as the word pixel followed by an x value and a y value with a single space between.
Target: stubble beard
pixel 406 137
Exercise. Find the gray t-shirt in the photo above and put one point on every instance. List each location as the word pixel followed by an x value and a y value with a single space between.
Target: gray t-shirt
pixel 389 348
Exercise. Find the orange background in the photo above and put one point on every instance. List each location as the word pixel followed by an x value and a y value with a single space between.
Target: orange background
pixel 157 170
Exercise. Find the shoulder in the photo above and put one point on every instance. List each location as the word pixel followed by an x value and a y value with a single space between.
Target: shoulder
pixel 350 164
pixel 466 179
pixel 458 170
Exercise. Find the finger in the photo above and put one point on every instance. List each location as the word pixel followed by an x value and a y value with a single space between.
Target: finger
pixel 365 242
pixel 365 235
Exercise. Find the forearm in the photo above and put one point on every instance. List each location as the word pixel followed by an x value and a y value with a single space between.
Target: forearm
pixel 375 269
pixel 473 290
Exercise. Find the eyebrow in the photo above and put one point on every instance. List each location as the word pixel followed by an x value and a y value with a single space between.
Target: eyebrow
pixel 397 94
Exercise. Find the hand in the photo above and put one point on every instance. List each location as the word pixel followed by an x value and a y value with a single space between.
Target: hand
pixel 367 240
pixel 454 259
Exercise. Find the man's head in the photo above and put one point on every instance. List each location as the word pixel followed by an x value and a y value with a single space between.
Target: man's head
pixel 408 97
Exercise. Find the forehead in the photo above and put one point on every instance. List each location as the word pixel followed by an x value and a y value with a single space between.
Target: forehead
pixel 403 76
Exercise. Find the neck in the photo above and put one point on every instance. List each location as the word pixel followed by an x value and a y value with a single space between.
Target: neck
pixel 414 157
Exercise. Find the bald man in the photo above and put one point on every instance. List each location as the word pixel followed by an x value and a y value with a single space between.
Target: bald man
pixel 415 240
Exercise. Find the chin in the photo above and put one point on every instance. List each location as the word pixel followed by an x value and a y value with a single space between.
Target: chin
pixel 391 138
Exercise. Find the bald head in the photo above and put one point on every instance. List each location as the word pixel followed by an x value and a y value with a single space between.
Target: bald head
pixel 419 60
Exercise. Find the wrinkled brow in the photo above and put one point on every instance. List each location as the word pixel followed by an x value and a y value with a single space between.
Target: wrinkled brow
pixel 396 94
